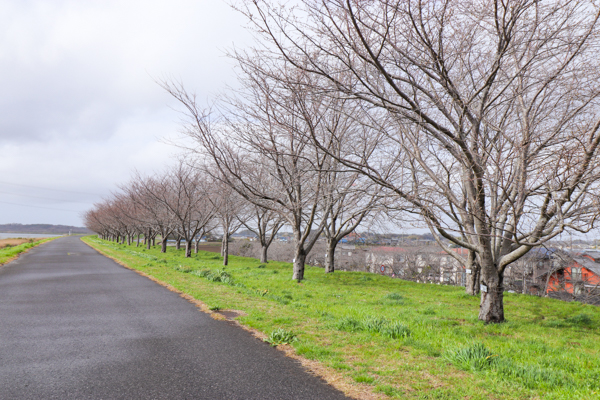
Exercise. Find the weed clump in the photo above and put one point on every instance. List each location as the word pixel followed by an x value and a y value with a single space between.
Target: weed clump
pixel 476 357
pixel 216 276
pixel 428 311
pixel 580 320
pixel 374 324
pixel 393 297
pixel 349 324
pixel 281 336
pixel 183 268
pixel 396 330
pixel 383 326
pixel 364 379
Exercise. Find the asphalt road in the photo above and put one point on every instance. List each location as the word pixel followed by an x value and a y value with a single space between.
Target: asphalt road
pixel 76 325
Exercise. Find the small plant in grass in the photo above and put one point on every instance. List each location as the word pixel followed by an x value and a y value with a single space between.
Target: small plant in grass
pixel 374 324
pixel 580 320
pixel 393 297
pixel 388 390
pixel 349 324
pixel 183 268
pixel 215 308
pixel 396 330
pixel 281 336
pixel 364 379
pixel 216 276
pixel 476 357
pixel 428 311
pixel 261 266
pixel 203 273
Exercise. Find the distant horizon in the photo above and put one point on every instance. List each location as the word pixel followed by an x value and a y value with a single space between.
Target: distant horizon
pixel 18 228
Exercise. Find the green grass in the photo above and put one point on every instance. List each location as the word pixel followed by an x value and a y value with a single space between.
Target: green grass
pixel 399 338
pixel 10 252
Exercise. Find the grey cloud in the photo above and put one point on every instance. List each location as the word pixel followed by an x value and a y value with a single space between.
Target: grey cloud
pixel 80 109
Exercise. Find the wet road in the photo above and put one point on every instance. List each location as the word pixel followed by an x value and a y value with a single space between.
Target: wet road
pixel 76 325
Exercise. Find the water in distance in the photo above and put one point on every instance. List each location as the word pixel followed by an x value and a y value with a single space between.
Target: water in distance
pixel 25 235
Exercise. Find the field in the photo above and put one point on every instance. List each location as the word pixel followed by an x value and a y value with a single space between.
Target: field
pixel 377 337
pixel 11 248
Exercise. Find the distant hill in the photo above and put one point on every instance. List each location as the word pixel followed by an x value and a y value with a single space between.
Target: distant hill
pixel 42 228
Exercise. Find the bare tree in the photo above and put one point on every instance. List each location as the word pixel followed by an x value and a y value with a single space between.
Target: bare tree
pixel 348 201
pixel 494 107
pixel 230 210
pixel 184 194
pixel 194 208
pixel 265 224
pixel 151 194
pixel 96 222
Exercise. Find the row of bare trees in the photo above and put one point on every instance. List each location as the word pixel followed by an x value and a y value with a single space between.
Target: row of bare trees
pixel 182 203
pixel 193 199
pixel 481 119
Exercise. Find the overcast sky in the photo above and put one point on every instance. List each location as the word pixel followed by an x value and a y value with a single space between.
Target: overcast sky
pixel 80 108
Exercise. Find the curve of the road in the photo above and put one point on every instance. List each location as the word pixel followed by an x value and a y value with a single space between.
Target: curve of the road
pixel 76 325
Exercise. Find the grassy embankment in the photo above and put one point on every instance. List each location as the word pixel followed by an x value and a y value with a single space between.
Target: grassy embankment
pixel 396 338
pixel 9 252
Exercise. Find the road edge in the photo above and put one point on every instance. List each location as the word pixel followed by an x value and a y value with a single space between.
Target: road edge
pixel 37 244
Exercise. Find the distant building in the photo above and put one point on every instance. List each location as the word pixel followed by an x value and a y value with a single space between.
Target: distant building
pixel 579 279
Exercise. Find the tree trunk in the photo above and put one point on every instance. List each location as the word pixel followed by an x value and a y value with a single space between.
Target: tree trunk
pixel 329 261
pixel 473 284
pixel 178 243
pixel 196 246
pixel 225 248
pixel 299 260
pixel 330 257
pixel 138 241
pixel 163 245
pixel 491 308
pixel 188 248
pixel 263 253
pixel 472 281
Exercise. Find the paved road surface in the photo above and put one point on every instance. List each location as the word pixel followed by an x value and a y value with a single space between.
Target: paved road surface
pixel 75 325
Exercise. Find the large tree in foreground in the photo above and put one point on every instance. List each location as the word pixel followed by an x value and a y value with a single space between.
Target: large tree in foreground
pixel 494 109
